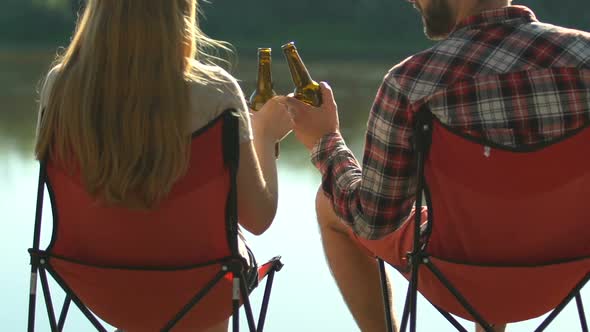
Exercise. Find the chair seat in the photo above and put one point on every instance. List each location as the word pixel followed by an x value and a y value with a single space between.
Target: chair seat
pixel 146 299
pixel 502 294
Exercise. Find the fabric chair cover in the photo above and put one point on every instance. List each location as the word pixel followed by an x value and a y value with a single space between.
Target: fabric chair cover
pixel 510 229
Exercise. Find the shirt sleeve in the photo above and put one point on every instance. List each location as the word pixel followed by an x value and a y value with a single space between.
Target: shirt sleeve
pixel 376 199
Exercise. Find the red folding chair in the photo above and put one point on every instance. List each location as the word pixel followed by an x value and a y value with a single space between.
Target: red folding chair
pixel 507 237
pixel 175 268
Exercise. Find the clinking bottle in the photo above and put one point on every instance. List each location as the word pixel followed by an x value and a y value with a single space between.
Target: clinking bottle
pixel 264 86
pixel 306 89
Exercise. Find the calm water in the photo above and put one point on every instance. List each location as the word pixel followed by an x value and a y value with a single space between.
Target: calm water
pixel 304 295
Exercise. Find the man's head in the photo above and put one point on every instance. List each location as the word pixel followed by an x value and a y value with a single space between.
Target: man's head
pixel 441 16
pixel 438 17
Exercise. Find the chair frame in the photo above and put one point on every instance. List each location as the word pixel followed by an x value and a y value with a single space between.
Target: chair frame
pixel 419 256
pixel 41 264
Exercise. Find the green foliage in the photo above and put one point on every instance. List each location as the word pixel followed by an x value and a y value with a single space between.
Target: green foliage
pixel 337 28
pixel 567 13
pixel 27 22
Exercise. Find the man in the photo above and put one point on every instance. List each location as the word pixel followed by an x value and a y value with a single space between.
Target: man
pixel 526 82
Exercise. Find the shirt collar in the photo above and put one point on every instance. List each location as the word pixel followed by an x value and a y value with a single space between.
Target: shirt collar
pixel 498 16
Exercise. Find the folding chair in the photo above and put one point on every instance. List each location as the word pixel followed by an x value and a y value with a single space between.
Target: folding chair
pixel 507 236
pixel 175 268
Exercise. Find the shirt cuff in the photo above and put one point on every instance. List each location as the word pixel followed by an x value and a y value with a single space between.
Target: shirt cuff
pixel 326 148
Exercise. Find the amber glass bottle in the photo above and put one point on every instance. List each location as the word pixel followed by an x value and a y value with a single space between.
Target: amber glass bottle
pixel 306 89
pixel 264 87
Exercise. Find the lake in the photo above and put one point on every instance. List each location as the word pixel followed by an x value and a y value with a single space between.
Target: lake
pixel 304 297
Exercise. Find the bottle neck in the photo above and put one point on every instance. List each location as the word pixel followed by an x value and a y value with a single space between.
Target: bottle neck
pixel 264 82
pixel 298 70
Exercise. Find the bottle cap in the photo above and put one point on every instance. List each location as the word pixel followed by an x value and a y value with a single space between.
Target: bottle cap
pixel 288 45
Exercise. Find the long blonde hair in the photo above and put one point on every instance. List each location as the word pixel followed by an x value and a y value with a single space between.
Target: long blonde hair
pixel 120 101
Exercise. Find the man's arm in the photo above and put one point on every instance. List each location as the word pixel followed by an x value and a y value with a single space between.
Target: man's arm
pixel 376 199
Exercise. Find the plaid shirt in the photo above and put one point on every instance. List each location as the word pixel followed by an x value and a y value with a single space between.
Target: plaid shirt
pixel 500 75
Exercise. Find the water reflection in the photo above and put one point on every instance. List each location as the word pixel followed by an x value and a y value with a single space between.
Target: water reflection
pixel 20 76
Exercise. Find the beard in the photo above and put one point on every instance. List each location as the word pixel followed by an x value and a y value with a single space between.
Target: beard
pixel 438 19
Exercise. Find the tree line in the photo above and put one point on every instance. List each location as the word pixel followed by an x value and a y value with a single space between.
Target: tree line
pixel 327 27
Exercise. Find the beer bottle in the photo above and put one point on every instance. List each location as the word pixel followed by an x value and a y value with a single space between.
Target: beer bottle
pixel 264 87
pixel 306 89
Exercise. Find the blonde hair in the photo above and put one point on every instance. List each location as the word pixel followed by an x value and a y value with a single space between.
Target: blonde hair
pixel 119 104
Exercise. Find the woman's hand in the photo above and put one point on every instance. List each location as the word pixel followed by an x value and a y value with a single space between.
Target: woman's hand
pixel 272 121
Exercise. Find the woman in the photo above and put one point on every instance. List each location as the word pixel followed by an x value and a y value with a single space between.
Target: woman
pixel 136 82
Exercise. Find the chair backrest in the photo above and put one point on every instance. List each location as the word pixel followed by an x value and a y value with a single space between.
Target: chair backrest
pixel 192 225
pixel 137 269
pixel 507 232
pixel 489 204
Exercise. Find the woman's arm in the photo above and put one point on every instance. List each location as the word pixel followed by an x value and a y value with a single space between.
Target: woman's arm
pixel 257 172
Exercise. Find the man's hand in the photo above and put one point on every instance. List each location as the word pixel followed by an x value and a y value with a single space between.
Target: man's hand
pixel 312 123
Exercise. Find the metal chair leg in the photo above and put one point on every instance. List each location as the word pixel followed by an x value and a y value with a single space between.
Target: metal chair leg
pixel 236 305
pixel 64 313
pixel 581 313
pixel 386 296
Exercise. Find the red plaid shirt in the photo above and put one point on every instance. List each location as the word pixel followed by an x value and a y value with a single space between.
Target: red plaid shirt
pixel 501 75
